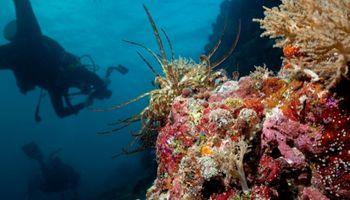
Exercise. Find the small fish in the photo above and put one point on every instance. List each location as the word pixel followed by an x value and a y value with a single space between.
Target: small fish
pixel 235 75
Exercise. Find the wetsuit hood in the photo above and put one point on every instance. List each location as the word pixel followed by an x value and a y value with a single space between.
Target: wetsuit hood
pixel 10 30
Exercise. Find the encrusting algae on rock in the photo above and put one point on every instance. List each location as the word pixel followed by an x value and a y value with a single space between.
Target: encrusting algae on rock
pixel 265 136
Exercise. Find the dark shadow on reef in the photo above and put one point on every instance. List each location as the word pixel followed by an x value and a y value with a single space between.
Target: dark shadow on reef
pixel 342 91
pixel 251 49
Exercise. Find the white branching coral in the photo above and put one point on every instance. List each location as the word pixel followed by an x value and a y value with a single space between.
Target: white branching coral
pixel 230 156
pixel 261 72
pixel 320 28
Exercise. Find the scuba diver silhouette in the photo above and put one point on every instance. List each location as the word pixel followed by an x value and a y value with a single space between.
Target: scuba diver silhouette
pixel 38 60
pixel 56 176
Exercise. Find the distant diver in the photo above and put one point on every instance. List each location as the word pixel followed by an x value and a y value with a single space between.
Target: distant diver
pixel 56 176
pixel 38 60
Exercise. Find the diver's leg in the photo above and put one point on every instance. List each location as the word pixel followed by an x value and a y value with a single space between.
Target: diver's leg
pixel 58 105
pixel 27 24
pixel 7 52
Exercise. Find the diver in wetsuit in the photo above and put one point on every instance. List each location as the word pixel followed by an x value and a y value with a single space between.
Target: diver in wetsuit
pixel 38 60
pixel 57 177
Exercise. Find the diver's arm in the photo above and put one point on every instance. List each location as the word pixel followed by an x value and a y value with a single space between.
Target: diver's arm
pixel 88 77
pixel 27 24
pixel 98 86
pixel 58 105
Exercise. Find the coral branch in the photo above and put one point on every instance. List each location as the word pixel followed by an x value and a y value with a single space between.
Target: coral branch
pixel 320 28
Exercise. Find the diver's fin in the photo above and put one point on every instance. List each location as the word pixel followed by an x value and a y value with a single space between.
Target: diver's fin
pixel 33 151
pixel 27 24
pixel 37 109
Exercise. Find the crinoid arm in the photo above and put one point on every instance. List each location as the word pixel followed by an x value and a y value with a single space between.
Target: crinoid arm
pixel 170 45
pixel 148 64
pixel 167 69
pixel 126 152
pixel 156 34
pixel 229 52
pixel 148 49
pixel 125 122
pixel 113 130
pixel 146 139
pixel 122 124
pixel 218 43
pixel 122 104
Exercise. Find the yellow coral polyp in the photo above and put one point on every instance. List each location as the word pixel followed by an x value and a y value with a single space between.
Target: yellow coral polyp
pixel 206 150
pixel 233 102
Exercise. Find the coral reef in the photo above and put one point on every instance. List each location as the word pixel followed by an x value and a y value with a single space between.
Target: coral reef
pixel 263 136
pixel 266 136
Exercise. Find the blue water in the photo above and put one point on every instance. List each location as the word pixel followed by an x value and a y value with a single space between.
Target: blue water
pixel 94 27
